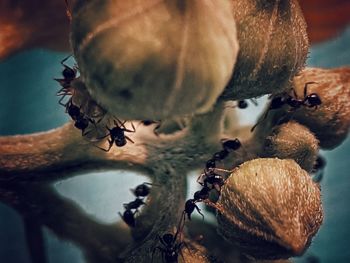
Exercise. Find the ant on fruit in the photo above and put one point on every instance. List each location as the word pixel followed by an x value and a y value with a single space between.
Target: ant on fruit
pixel 170 248
pixel 212 180
pixel 69 74
pixel 117 135
pixel 311 100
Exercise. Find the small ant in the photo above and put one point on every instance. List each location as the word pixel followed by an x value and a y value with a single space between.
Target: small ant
pixel 117 135
pixel 227 145
pixel 80 121
pixel 311 100
pixel 190 205
pixel 233 145
pixel 69 74
pixel 142 190
pixel 128 217
pixel 170 248
pixel 212 178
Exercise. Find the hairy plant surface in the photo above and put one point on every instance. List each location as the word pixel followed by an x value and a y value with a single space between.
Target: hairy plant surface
pixel 269 207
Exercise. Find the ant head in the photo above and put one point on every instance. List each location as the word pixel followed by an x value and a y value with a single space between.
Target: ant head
pixel 168 238
pixel 313 99
pixel 142 190
pixel 120 142
pixel 68 73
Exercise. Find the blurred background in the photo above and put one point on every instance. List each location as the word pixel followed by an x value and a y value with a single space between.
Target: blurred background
pixel 28 104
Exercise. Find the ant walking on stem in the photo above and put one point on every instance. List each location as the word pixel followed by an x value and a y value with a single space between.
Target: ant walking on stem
pixel 171 247
pixel 311 100
pixel 141 191
pixel 117 135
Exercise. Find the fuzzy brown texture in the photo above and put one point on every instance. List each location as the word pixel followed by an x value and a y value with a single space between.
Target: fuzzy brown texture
pixel 270 208
pixel 117 46
pixel 331 121
pixel 273 47
pixel 292 141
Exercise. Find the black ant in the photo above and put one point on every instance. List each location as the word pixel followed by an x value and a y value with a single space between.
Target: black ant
pixel 80 121
pixel 128 217
pixel 318 169
pixel 134 204
pixel 142 190
pixel 227 145
pixel 311 100
pixel 233 145
pixel 190 205
pixel 117 135
pixel 170 248
pixel 69 74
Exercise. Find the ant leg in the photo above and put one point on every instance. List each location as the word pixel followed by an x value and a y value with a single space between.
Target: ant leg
pixel 126 137
pixel 133 127
pixel 151 184
pixel 109 147
pixel 61 99
pixel 259 121
pixel 222 170
pixel 199 178
pixel 199 211
pixel 254 101
pixel 66 58
pixel 306 86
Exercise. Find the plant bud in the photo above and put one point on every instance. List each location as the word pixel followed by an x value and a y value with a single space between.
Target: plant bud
pixel 273 47
pixel 330 122
pixel 154 59
pixel 292 141
pixel 270 208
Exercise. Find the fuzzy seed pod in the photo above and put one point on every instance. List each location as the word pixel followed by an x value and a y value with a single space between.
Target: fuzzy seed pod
pixel 270 208
pixel 154 59
pixel 330 122
pixel 273 47
pixel 292 141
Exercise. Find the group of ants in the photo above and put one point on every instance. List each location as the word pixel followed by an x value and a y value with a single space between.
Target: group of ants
pixel 210 179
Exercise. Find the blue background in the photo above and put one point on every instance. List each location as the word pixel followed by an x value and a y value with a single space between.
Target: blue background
pixel 28 104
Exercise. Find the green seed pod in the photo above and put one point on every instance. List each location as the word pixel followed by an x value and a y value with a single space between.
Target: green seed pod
pixel 273 47
pixel 292 141
pixel 270 208
pixel 154 59
pixel 330 122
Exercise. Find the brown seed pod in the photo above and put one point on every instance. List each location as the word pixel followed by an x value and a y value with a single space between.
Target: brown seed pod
pixel 154 59
pixel 270 208
pixel 273 47
pixel 331 121
pixel 292 141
